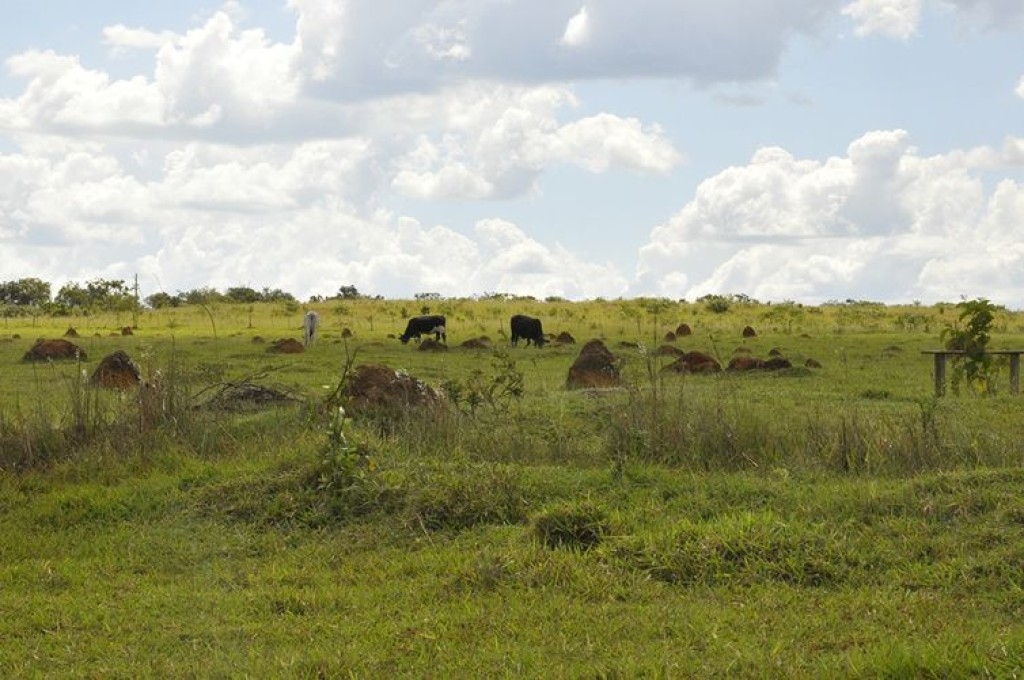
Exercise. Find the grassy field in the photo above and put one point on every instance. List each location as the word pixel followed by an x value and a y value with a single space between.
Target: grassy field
pixel 838 521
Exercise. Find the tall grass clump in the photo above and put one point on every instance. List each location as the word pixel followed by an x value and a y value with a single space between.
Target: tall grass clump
pixel 662 422
pixel 720 428
pixel 53 428
pixel 160 413
pixel 28 442
pixel 574 525
pixel 747 549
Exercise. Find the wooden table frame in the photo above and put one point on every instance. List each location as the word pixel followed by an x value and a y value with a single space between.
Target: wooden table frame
pixel 940 366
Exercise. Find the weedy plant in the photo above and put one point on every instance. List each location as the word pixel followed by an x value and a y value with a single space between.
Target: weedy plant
pixel 975 366
pixel 497 390
pixel 345 466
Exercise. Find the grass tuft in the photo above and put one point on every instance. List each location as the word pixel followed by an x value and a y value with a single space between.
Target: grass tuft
pixel 574 525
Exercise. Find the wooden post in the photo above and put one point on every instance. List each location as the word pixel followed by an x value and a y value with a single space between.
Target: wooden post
pixel 940 374
pixel 1014 373
pixel 940 357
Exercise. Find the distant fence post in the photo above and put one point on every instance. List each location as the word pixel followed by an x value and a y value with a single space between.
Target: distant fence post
pixel 940 355
pixel 940 374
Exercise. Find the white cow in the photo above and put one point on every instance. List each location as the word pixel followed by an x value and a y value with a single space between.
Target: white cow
pixel 309 326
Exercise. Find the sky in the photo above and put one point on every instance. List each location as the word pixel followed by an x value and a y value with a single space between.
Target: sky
pixel 788 150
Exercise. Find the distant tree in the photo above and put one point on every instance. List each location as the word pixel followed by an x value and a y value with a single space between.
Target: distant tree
pixel 111 295
pixel 72 295
pixel 348 293
pixel 719 304
pixel 242 294
pixel 95 295
pixel 162 300
pixel 200 296
pixel 276 295
pixel 30 292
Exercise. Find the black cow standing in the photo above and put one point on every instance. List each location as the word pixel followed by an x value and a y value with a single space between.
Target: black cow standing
pixel 528 328
pixel 425 325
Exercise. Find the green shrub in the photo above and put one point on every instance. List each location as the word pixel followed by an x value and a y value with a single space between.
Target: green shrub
pixel 975 365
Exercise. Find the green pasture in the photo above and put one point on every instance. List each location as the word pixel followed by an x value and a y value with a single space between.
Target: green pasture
pixel 838 521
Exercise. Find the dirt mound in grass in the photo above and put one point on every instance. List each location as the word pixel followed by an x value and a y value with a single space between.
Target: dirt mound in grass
pixel 748 363
pixel 683 330
pixel 373 387
pixel 286 346
pixel 564 338
pixel 744 363
pixel 117 371
pixel 595 366
pixel 431 345
pixel 669 351
pixel 694 362
pixel 47 350
pixel 248 396
pixel 476 343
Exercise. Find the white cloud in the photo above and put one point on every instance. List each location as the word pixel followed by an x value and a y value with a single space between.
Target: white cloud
pixel 320 30
pixel 577 29
pixel 901 19
pixel 889 18
pixel 212 74
pixel 121 37
pixel 452 181
pixel 63 94
pixel 444 42
pixel 281 162
pixel 804 274
pixel 271 216
pixel 989 14
pixel 359 48
pixel 512 262
pixel 605 140
pixel 498 144
pixel 183 209
pixel 880 223
pixel 219 67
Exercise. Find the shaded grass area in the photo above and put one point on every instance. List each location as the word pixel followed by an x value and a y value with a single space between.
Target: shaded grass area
pixel 233 567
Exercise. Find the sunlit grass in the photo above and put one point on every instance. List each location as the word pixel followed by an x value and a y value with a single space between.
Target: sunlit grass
pixel 829 522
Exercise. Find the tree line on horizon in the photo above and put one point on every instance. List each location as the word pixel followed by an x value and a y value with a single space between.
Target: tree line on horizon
pixel 31 295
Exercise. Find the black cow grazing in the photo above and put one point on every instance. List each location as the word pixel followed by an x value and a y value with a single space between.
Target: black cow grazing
pixel 528 328
pixel 425 325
